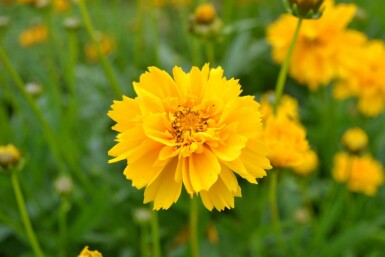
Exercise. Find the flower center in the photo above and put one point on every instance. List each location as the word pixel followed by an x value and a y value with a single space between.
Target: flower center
pixel 185 124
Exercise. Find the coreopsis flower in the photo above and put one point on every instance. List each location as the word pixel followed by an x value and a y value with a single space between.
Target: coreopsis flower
pixel 286 140
pixel 282 132
pixel 107 46
pixel 9 156
pixel 308 165
pixel 33 36
pixel 363 77
pixel 306 9
pixel 192 130
pixel 87 253
pixel 361 173
pixel 316 57
pixel 355 139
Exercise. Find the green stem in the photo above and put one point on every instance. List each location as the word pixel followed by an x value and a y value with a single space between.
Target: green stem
pixel 24 216
pixel 64 206
pixel 210 52
pixel 143 240
pixel 105 63
pixel 155 234
pixel 285 66
pixel 194 242
pixel 273 199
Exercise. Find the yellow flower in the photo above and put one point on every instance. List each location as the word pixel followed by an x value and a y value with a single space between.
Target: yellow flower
pixel 286 140
pixel 193 129
pixel 61 5
pixel 33 36
pixel 9 156
pixel 355 139
pixel 315 58
pixel 87 253
pixel 361 173
pixel 363 77
pixel 107 45
pixel 205 13
pixel 308 165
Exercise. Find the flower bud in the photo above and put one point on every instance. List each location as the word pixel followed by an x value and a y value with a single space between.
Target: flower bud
pixel 9 156
pixel 63 185
pixel 355 140
pixel 142 215
pixel 34 89
pixel 72 23
pixel 305 9
pixel 205 23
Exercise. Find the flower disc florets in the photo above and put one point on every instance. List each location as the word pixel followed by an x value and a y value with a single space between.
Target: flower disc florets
pixel 192 130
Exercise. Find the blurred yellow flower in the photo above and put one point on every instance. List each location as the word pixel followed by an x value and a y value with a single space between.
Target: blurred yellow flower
pixel 87 253
pixel 308 165
pixel 193 129
pixel 205 13
pixel 355 139
pixel 285 139
pixel 282 132
pixel 361 173
pixel 61 5
pixel 107 46
pixel 315 60
pixel 33 36
pixel 363 77
pixel 9 156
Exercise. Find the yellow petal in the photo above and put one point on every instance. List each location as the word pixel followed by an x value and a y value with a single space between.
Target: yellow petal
pixel 164 191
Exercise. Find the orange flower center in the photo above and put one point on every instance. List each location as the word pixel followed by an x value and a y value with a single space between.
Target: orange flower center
pixel 186 123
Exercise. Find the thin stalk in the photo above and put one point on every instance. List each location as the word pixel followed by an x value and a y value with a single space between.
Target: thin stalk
pixel 273 199
pixel 194 241
pixel 105 63
pixel 64 204
pixel 155 234
pixel 210 52
pixel 285 66
pixel 143 240
pixel 24 216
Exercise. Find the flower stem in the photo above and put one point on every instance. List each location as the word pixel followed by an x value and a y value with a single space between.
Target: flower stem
pixel 273 199
pixel 194 242
pixel 285 66
pixel 24 216
pixel 106 65
pixel 64 206
pixel 155 234
pixel 210 52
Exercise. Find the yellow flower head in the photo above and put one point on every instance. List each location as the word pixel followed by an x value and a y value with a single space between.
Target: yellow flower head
pixel 205 13
pixel 361 173
pixel 363 77
pixel 355 139
pixel 9 156
pixel 193 129
pixel 107 46
pixel 308 165
pixel 286 140
pixel 61 5
pixel 87 253
pixel 33 36
pixel 315 60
